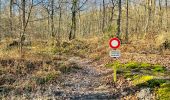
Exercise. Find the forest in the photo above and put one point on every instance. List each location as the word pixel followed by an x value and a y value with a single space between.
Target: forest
pixel 59 50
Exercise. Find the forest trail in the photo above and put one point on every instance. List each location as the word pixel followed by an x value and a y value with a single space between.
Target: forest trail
pixel 86 79
pixel 88 82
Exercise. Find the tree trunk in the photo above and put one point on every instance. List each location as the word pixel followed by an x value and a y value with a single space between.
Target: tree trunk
pixel 127 20
pixel 22 37
pixel 0 12
pixel 104 15
pixel 11 16
pixel 59 26
pixel 73 25
pixel 52 19
pixel 119 20
pixel 166 4
pixel 148 15
pixel 160 14
pixel 112 11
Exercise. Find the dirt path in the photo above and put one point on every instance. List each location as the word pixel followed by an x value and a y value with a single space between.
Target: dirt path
pixel 87 83
pixel 90 80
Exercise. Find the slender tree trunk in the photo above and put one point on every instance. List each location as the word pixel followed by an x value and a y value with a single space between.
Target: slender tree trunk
pixel 52 19
pixel 153 5
pixel 127 20
pixel 59 26
pixel 0 20
pixel 160 14
pixel 79 18
pixel 11 16
pixel 49 23
pixel 104 16
pixel 23 28
pixel 148 15
pixel 166 4
pixel 73 25
pixel 119 20
pixel 112 11
pixel 0 10
pixel 100 17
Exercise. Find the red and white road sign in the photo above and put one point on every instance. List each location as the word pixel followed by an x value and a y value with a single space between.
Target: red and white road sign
pixel 114 43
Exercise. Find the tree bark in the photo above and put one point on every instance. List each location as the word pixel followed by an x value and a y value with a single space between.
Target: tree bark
pixel 22 35
pixel 59 24
pixel 11 16
pixel 148 15
pixel 52 19
pixel 119 20
pixel 0 10
pixel 127 20
pixel 112 11
pixel 166 5
pixel 73 25
pixel 104 15
pixel 160 14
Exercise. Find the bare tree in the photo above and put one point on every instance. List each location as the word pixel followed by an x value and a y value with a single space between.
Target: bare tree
pixel 166 5
pixel 160 14
pixel 127 20
pixel 60 19
pixel 22 35
pixel 25 22
pixel 11 16
pixel 112 10
pixel 149 11
pixel 119 19
pixel 104 15
pixel 0 10
pixel 73 22
pixel 52 18
pixel 74 10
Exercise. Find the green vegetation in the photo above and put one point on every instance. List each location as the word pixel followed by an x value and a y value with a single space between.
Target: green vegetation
pixel 132 65
pixel 152 83
pixel 145 65
pixel 163 92
pixel 159 68
pixel 141 79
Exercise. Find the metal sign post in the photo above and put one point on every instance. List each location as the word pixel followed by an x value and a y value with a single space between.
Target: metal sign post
pixel 114 53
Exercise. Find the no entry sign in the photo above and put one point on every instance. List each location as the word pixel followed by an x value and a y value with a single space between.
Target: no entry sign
pixel 114 43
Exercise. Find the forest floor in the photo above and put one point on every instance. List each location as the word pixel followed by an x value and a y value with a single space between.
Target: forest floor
pixel 87 76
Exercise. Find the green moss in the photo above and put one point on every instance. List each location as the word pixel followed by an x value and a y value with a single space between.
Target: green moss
pixel 159 68
pixel 163 92
pixel 131 76
pixel 152 83
pixel 155 82
pixel 132 65
pixel 145 65
pixel 109 65
pixel 116 63
pixel 141 79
